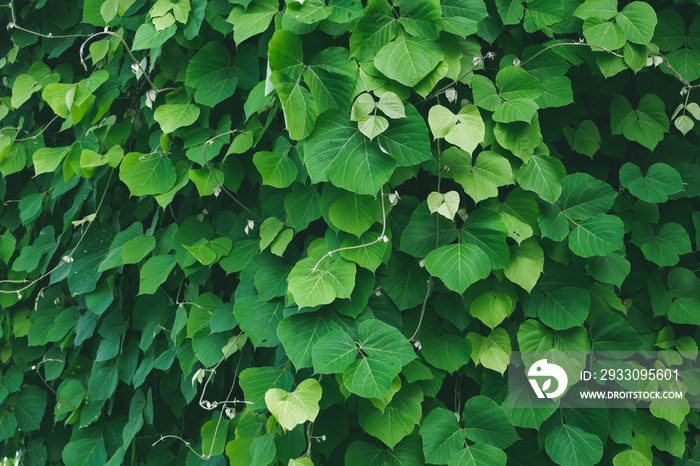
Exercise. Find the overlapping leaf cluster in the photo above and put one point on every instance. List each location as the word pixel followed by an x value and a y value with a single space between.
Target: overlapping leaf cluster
pixel 306 232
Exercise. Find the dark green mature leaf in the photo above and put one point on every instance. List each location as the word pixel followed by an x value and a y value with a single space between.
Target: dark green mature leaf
pixel 566 444
pixel 375 29
pixel 486 422
pixel 565 308
pixel 442 436
pixel 458 265
pixel 85 452
pixel 29 408
pixel 660 181
pixel 210 72
pixel 338 152
pixel 408 59
pixel 299 333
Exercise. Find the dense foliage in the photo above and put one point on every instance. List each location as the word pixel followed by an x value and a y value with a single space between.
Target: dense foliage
pixel 265 232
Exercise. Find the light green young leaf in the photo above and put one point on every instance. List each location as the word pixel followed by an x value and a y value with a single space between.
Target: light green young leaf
pixel 147 174
pixel 526 264
pixel 172 117
pixel 465 130
pixel 372 125
pixel 297 407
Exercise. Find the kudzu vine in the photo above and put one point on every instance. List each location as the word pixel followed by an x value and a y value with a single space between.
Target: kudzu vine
pixel 412 190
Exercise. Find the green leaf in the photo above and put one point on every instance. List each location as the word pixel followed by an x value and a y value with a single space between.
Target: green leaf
pixel 684 311
pixel 510 11
pixel 565 308
pixel 407 138
pixel 355 213
pixel 8 425
pixel 277 170
pixel 312 285
pixel 408 59
pixel 254 19
pixel 489 172
pixel 137 248
pixel 299 107
pixel 259 319
pixel 543 175
pixel 214 436
pixel 446 352
pixel 603 33
pixel 29 408
pixel 660 182
pixel 597 236
pixel 515 110
pixel 372 125
pixel 392 105
pixel 407 286
pixel 603 9
pixel 331 77
pixel 421 18
pixel 515 83
pixel 154 273
pixel 485 228
pixel 584 140
pixel 210 72
pixel 300 333
pixel 103 381
pixel 389 426
pixel 147 174
pixel 48 159
pixel 60 97
pixel 256 381
pixel 23 88
pixel 645 125
pixel 518 137
pixel 571 445
pixel 664 247
pixel 486 422
pixel 373 31
pixel 442 436
pixel 685 62
pixel 458 265
pixel 333 352
pixel 491 308
pixel 385 352
pixel 584 197
pixel 526 264
pixel 88 451
pixel 479 455
pixel 297 407
pixel 172 117
pixel 612 269
pixel 338 152
pixel 637 21
pixel 465 130
pixel 147 37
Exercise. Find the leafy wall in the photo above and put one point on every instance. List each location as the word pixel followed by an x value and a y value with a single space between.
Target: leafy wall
pixel 265 232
